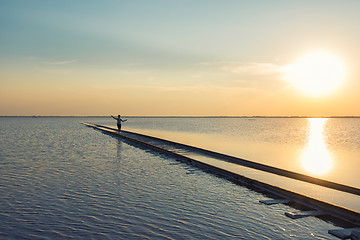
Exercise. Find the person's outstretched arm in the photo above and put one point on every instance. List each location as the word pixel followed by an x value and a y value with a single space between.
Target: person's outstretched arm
pixel 113 117
pixel 124 120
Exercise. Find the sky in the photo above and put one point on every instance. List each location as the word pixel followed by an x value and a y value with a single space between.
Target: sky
pixel 173 58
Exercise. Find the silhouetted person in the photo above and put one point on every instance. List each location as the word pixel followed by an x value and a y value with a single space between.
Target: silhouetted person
pixel 119 120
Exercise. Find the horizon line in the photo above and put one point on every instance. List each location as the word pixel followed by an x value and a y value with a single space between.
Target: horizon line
pixel 187 116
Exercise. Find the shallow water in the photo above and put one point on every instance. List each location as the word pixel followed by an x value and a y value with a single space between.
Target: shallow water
pixel 323 148
pixel 59 179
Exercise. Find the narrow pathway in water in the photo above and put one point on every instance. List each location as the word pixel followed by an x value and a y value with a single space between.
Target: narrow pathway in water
pixel 227 165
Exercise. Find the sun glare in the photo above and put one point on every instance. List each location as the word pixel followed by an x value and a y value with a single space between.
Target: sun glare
pixel 316 158
pixel 317 73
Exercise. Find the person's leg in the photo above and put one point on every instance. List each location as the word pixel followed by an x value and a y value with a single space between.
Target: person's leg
pixel 119 127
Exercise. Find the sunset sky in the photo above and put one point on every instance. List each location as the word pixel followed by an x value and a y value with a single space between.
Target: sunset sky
pixel 177 58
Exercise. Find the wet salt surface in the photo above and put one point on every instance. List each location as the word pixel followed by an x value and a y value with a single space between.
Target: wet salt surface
pixel 59 179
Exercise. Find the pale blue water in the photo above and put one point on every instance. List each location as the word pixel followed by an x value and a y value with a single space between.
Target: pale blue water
pixel 60 179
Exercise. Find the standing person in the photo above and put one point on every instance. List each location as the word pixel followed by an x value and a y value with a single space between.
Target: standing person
pixel 119 120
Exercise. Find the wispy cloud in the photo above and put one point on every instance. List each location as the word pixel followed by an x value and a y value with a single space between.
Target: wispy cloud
pixel 193 88
pixel 61 62
pixel 254 68
pixel 30 58
pixel 249 68
pixel 255 76
pixel 58 71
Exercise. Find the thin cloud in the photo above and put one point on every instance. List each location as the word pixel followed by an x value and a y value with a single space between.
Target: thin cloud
pixel 30 58
pixel 252 75
pixel 254 68
pixel 62 62
pixel 162 88
pixel 249 69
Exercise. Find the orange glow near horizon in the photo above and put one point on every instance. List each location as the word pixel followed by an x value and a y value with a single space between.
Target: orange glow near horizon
pixel 316 158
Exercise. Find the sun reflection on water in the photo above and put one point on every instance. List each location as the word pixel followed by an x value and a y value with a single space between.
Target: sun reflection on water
pixel 316 158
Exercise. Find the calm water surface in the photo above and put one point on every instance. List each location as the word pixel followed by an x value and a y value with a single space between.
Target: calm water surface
pixel 59 179
pixel 320 147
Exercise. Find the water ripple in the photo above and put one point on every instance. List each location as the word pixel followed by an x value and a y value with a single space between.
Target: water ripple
pixel 60 180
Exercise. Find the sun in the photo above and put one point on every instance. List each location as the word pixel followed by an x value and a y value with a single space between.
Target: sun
pixel 317 73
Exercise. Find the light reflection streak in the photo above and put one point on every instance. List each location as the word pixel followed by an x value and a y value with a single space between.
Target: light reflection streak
pixel 316 158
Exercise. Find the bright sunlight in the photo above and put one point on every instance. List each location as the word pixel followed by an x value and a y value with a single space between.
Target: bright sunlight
pixel 316 158
pixel 317 73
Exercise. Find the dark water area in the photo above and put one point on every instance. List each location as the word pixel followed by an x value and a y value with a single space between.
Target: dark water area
pixel 59 179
